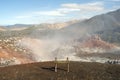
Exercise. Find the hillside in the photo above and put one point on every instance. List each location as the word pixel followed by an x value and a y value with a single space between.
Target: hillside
pixel 8 57
pixel 58 25
pixel 42 26
pixel 106 25
pixel 45 71
pixel 96 41
pixel 2 28
pixel 96 48
pixel 11 53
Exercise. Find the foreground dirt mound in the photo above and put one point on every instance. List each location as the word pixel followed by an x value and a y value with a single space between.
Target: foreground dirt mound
pixel 45 71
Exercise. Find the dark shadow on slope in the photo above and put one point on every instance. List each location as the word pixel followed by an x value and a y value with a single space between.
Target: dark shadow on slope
pixel 52 68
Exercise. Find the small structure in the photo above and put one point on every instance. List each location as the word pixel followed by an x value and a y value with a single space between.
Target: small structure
pixel 66 62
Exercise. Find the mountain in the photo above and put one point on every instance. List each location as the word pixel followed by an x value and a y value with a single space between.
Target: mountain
pixel 18 25
pixel 54 26
pixel 101 24
pixel 60 25
pixel 106 26
pixel 47 30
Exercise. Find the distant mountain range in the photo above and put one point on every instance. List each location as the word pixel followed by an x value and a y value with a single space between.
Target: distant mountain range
pixel 107 26
pixel 49 25
pixel 18 25
pixel 108 21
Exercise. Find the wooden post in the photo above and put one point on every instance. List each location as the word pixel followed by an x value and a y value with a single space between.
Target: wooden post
pixel 66 62
pixel 55 64
pixel 68 67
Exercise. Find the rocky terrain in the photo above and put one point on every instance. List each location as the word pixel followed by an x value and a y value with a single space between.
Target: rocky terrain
pixel 11 53
pixel 95 39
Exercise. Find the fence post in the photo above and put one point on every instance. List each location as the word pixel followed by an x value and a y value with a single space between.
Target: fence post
pixel 55 64
pixel 67 62
pixel 68 67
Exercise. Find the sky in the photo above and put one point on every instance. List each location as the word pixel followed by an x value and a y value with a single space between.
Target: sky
pixel 52 11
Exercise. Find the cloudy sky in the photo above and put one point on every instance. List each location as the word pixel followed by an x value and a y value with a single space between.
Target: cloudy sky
pixel 50 11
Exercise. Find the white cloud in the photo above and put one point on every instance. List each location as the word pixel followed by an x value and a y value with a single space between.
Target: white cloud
pixel 95 6
pixel 21 17
pixel 49 13
pixel 71 5
pixel 41 13
pixel 115 0
pixel 67 10
pixel 71 10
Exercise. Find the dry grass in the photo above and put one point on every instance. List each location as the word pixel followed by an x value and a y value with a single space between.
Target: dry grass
pixel 45 71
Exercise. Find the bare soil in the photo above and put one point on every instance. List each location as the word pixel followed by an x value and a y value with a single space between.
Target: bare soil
pixel 45 71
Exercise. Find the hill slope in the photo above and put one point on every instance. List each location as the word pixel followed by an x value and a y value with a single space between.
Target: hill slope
pixel 103 24
pixel 45 71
